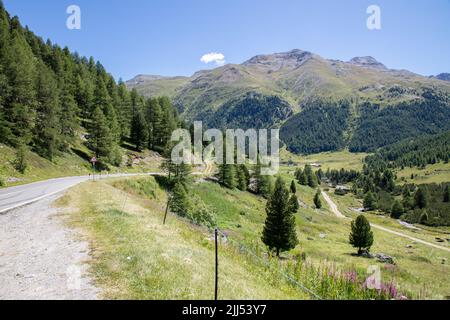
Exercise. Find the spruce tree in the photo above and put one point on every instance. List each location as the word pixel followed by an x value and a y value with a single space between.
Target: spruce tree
pixel 279 233
pixel 361 236
pixel 317 201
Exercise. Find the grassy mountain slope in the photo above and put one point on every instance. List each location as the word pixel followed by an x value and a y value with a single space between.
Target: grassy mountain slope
pixel 135 256
pixel 303 81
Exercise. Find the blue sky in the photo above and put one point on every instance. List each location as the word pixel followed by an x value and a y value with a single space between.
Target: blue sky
pixel 168 37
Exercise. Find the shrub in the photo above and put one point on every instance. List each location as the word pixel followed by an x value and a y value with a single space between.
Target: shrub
pixel 201 214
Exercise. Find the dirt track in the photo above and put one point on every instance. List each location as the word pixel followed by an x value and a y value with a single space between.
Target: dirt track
pixel 338 214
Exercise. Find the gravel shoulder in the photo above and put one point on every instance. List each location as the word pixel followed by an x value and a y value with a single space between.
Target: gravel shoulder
pixel 41 258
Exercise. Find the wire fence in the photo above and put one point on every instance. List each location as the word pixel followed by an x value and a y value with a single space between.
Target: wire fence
pixel 285 275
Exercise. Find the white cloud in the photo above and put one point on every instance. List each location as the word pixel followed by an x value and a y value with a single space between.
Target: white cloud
pixel 217 58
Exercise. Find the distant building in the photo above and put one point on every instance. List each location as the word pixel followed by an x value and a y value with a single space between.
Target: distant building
pixel 343 188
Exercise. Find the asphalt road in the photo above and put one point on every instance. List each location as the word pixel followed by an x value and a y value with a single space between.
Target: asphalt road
pixel 15 197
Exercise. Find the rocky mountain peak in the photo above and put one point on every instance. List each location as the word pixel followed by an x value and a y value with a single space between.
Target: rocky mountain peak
pixel 368 61
pixel 290 59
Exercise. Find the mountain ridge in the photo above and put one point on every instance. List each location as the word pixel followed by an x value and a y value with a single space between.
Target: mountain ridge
pixel 304 81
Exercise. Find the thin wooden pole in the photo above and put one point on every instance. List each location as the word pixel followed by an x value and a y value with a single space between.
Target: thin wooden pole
pixel 216 282
pixel 167 209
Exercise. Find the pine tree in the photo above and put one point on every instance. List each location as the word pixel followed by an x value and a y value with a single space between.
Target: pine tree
pixel 317 201
pixel 361 236
pixel 139 130
pixel 279 233
pixel 293 187
pixel 397 209
pixel 421 198
pixel 369 202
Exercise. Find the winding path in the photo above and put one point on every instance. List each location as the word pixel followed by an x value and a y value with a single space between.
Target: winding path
pixel 339 214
